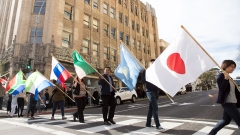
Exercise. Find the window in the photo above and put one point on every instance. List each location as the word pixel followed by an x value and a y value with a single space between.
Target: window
pixel 95 49
pixel 120 1
pixel 125 3
pixel 85 47
pixel 148 50
pixel 131 6
pixel 138 45
pixel 143 31
pixel 133 45
pixel 133 24
pixel 37 6
pixel 126 20
pixel 39 34
pixel 66 38
pixel 113 33
pixel 144 49
pixel 95 25
pixel 68 12
pixel 154 37
pixel 95 4
pixel 121 35
pixel 120 17
pixel 161 49
pixel 137 27
pixel 86 21
pixel 112 12
pixel 106 50
pixel 105 29
pixel 145 18
pixel 87 1
pixel 114 54
pixel 105 8
pixel 127 40
pixel 136 11
pixel 146 64
pixel 153 21
pixel 147 33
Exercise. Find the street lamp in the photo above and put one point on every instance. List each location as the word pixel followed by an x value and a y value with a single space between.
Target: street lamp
pixel 34 38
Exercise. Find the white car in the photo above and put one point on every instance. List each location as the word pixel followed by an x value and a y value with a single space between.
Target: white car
pixel 182 91
pixel 124 94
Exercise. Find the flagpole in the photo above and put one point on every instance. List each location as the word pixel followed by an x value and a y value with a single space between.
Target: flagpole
pixel 99 74
pixel 73 78
pixel 207 53
pixel 58 88
pixel 143 67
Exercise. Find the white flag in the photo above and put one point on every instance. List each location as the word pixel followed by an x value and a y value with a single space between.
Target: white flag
pixel 181 63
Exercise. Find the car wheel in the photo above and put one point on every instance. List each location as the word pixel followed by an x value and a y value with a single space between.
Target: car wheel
pixel 118 100
pixel 133 98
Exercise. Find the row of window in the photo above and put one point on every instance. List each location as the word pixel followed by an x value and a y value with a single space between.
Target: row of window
pixel 112 10
pixel 86 22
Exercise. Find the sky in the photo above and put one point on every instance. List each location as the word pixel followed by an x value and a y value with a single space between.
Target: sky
pixel 215 24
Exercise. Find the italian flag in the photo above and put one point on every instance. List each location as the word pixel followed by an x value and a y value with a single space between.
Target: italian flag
pixel 16 85
pixel 81 66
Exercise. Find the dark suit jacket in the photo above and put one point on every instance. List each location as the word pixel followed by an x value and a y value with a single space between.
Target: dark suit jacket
pixel 224 90
pixel 105 90
pixel 149 86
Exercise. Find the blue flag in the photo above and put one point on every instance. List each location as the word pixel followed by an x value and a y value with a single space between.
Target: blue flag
pixel 128 69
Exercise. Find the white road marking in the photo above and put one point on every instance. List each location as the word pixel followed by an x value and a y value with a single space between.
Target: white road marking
pixel 154 131
pixel 36 127
pixel 207 129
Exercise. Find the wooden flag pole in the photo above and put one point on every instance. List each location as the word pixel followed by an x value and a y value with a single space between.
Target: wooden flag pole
pixel 143 67
pixel 38 95
pixel 83 87
pixel 208 54
pixel 99 74
pixel 73 78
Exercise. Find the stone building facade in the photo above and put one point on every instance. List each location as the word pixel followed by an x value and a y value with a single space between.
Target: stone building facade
pixel 94 28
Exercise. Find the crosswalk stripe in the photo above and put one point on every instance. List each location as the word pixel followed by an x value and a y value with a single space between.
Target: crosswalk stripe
pixel 105 127
pixel 207 129
pixel 154 131
pixel 37 127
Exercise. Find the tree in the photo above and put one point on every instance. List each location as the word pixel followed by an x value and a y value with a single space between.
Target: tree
pixel 207 78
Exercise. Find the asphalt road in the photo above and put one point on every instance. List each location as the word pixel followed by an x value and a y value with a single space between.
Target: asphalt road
pixel 192 114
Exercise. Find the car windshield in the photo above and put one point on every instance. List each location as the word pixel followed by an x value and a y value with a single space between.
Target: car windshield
pixel 237 82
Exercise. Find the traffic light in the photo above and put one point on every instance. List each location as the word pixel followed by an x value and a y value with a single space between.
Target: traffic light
pixel 29 64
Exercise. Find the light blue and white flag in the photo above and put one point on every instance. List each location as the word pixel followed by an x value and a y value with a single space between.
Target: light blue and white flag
pixel 128 69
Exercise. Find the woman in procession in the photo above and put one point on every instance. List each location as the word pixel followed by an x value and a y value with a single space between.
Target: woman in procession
pixel 79 95
pixel 228 97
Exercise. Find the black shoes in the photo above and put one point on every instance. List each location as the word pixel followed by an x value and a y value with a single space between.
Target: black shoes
pixel 111 121
pixel 82 121
pixel 106 123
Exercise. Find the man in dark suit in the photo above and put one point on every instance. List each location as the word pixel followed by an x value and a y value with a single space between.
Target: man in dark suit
pixel 107 96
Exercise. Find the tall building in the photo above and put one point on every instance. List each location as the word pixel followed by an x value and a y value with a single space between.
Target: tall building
pixel 94 28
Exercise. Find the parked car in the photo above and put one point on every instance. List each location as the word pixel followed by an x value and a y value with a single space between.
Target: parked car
pixel 237 81
pixel 182 91
pixel 124 94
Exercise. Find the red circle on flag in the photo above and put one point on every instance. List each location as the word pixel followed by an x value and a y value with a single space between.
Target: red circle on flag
pixel 176 64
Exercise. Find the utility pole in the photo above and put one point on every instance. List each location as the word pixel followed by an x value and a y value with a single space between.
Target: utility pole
pixel 34 39
pixel 34 48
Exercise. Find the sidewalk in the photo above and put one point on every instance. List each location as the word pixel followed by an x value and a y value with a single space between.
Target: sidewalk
pixel 3 113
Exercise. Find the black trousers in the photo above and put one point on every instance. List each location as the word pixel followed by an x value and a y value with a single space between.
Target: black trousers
pixel 9 106
pixel 32 108
pixel 80 102
pixel 108 100
pixel 20 102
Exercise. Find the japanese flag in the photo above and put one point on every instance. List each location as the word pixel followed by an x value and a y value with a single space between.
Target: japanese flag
pixel 181 63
